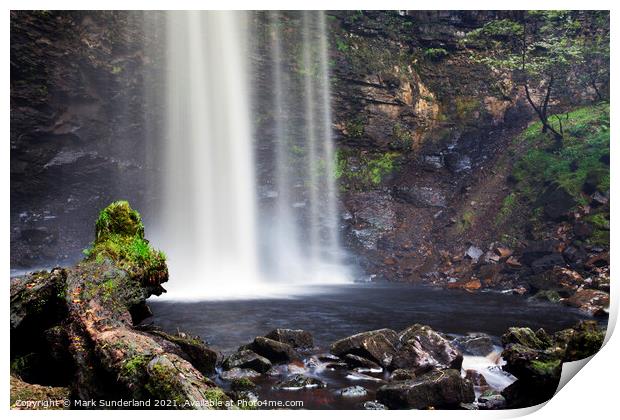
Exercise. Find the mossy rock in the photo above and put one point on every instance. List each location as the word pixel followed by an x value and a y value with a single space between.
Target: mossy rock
pixel 118 219
pixel 586 340
pixel 523 336
pixel 120 238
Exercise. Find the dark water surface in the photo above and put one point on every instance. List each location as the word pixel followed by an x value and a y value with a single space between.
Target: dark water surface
pixel 335 312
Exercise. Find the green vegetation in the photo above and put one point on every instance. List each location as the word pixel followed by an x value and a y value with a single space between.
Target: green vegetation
pixel 549 52
pixel 466 107
pixel 355 128
pixel 120 237
pixel 134 366
pixel 357 170
pixel 435 54
pixel 546 367
pixel 581 160
pixel 466 221
pixel 403 139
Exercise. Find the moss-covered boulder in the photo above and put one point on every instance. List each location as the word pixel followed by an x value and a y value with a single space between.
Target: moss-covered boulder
pixel 586 340
pixel 97 301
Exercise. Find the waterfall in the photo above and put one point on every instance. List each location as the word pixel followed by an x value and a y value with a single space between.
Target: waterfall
pixel 221 239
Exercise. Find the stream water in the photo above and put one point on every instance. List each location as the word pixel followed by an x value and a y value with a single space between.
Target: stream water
pixel 334 312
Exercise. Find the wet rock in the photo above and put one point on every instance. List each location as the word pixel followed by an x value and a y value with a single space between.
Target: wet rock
pixel 513 263
pixel 337 366
pixel 586 339
pixel 374 405
pixel 353 392
pixel 490 275
pixel 491 400
pixel 537 372
pixel 403 375
pixel 355 361
pixel 242 384
pixel 294 338
pixel 591 301
pixel 474 253
pixel 247 359
pixel 378 346
pixel 547 295
pixel 192 349
pixel 474 344
pixel 470 285
pixel 424 348
pixel 298 382
pixel 559 279
pixel 438 389
pixel 357 376
pixel 273 350
pixel 239 373
pixel 476 378
pixel 522 336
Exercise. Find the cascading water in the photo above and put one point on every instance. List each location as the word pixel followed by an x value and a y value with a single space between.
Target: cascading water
pixel 221 240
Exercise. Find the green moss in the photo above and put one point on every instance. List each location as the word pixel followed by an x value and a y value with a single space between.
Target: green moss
pixel 370 169
pixel 118 219
pixel 242 384
pixel 355 128
pixel 581 159
pixel 548 367
pixel 135 366
pixel 164 384
pixel 403 139
pixel 435 54
pixel 120 237
pixel 466 107
pixel 508 206
pixel 466 221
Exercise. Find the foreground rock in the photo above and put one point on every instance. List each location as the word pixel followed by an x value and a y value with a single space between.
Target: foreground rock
pixel 298 339
pixel 378 346
pixel 535 359
pixel 437 389
pixel 93 307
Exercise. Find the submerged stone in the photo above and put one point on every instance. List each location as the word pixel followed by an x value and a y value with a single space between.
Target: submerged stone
pixel 298 382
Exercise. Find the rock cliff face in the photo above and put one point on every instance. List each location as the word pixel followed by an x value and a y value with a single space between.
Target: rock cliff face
pixel 422 131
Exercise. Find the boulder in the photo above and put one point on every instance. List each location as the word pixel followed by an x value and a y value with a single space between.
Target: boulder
pixel 273 350
pixel 298 382
pixel 238 373
pixel 423 348
pixel 437 389
pixel 353 392
pixel 474 344
pixel 355 361
pixel 548 262
pixel 378 346
pixel 523 336
pixel 374 405
pixel 593 302
pixel 536 250
pixel 247 359
pixel 491 400
pixel 294 338
pixel 192 349
pixel 556 202
pixel 403 375
pixel 586 340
